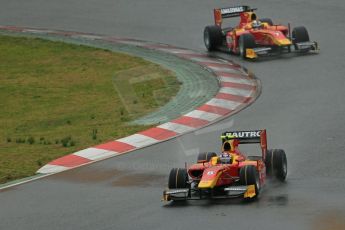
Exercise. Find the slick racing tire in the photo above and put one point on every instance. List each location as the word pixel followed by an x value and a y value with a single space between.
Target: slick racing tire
pixel 276 163
pixel 178 178
pixel 267 20
pixel 202 157
pixel 212 37
pixel 250 176
pixel 299 34
pixel 246 41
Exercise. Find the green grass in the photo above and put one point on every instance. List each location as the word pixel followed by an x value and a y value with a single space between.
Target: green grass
pixel 57 98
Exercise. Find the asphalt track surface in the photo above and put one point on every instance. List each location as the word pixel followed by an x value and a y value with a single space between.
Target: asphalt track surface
pixel 301 106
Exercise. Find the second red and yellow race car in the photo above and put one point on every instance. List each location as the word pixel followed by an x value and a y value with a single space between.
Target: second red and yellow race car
pixel 254 37
pixel 230 173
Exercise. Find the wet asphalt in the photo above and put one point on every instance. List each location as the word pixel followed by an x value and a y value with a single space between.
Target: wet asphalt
pixel 301 105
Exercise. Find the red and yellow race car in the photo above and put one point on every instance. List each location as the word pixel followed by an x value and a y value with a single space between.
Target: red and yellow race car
pixel 230 173
pixel 254 37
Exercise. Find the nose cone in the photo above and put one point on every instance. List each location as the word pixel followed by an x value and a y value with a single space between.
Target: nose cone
pixel 284 42
pixel 280 39
pixel 209 177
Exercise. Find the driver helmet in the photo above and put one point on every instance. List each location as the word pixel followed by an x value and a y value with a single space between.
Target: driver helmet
pixel 256 24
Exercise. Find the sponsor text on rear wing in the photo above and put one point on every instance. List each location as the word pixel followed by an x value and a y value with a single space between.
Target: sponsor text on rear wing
pixel 248 137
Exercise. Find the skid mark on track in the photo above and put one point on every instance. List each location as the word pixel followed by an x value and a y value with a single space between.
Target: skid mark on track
pixel 116 177
pixel 7 189
pixel 140 180
pixel 88 176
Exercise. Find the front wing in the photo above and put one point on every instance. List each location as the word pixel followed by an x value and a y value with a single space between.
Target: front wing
pixel 247 191
pixel 266 51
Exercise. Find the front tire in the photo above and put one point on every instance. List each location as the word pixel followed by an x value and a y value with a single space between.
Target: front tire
pixel 299 34
pixel 276 163
pixel 246 41
pixel 178 178
pixel 212 37
pixel 249 175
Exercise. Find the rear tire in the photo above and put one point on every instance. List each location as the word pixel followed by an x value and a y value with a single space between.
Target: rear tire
pixel 205 157
pixel 246 41
pixel 250 176
pixel 212 37
pixel 276 163
pixel 267 20
pixel 178 178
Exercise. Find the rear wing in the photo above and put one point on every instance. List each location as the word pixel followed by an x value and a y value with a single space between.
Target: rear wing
pixel 229 12
pixel 248 137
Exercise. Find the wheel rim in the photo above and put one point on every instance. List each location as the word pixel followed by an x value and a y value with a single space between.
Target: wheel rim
pixel 206 39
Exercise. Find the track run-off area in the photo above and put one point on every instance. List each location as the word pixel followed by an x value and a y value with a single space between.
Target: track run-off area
pixel 215 88
pixel 301 106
